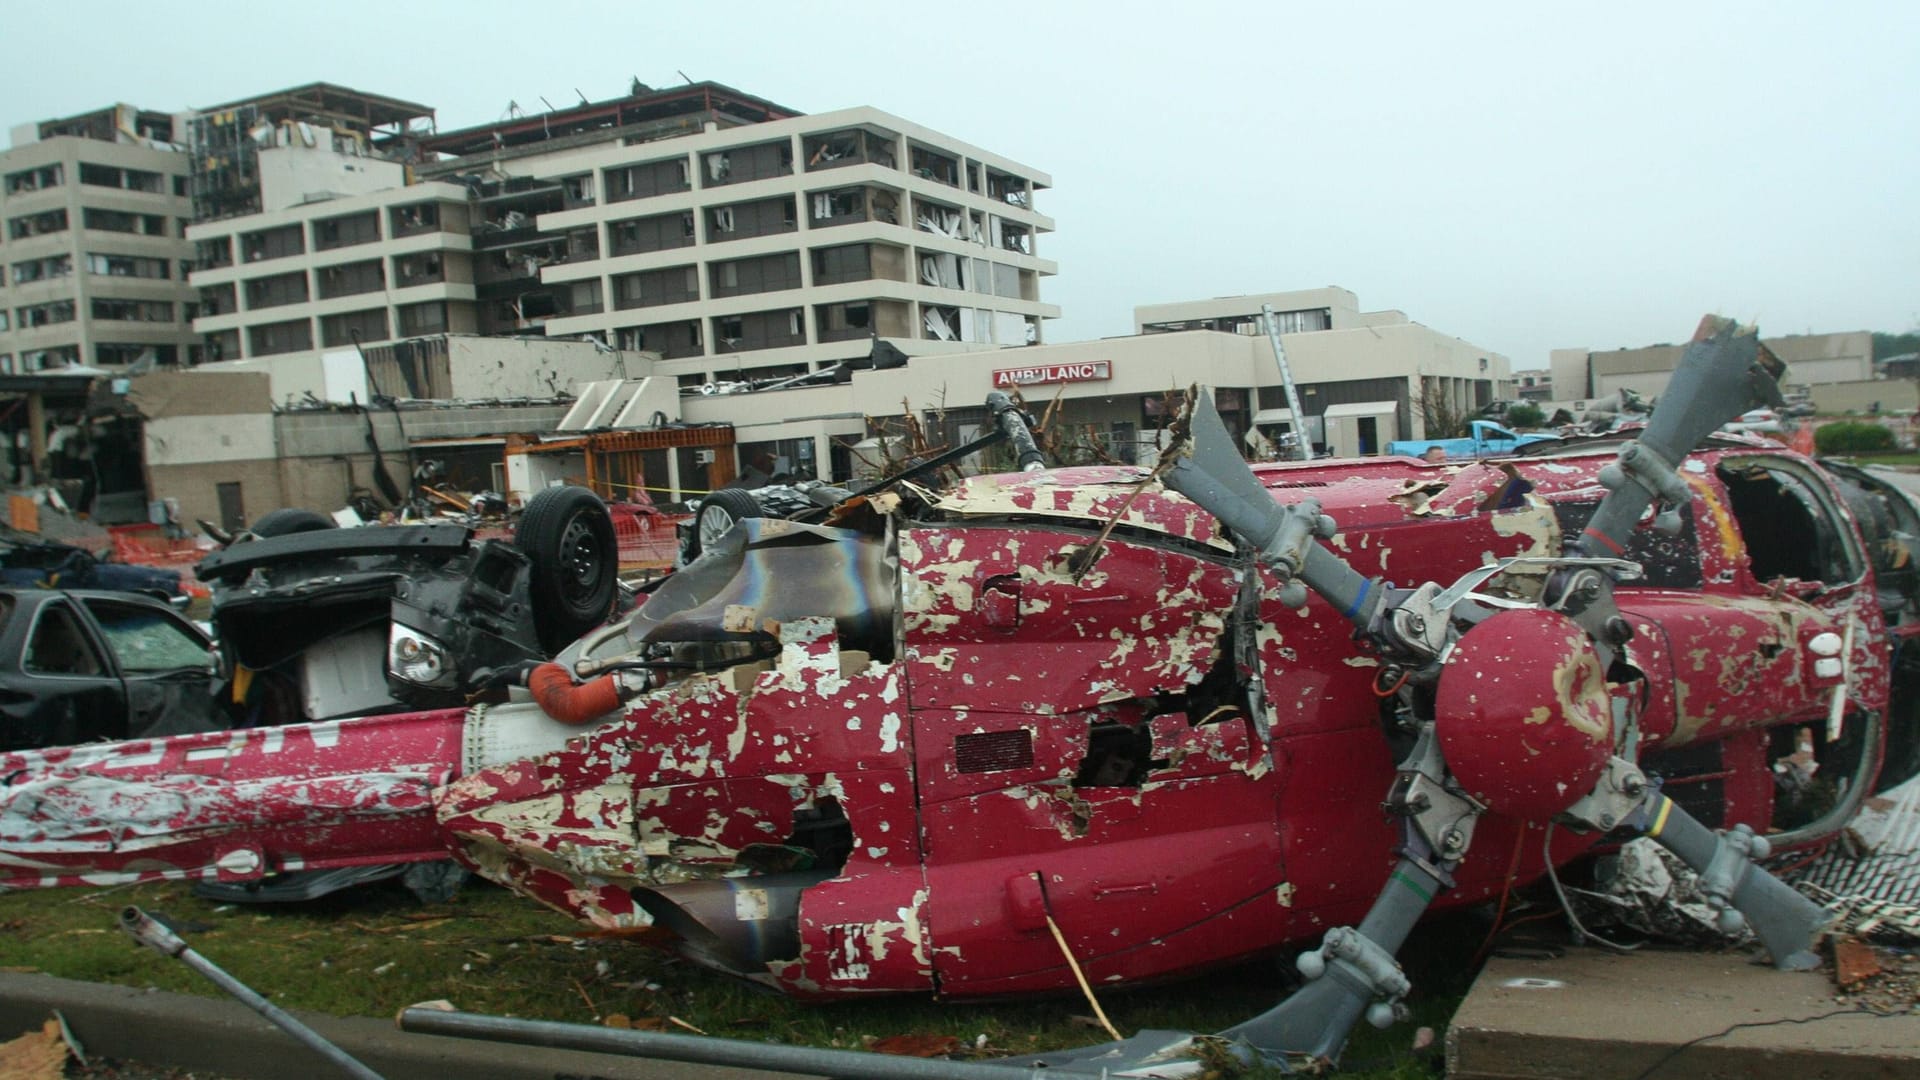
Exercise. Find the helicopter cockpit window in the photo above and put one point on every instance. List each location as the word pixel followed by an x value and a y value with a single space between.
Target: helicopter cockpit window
pixel 1792 529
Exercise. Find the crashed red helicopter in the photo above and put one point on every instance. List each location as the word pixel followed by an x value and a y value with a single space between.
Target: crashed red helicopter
pixel 1157 709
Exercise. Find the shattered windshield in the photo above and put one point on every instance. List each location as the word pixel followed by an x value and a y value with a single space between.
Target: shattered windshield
pixel 147 640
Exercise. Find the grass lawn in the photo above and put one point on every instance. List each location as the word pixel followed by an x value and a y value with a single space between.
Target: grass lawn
pixel 375 950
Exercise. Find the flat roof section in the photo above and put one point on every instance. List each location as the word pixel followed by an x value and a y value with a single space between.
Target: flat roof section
pixel 639 108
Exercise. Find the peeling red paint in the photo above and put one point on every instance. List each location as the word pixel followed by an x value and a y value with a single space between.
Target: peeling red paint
pixel 1033 741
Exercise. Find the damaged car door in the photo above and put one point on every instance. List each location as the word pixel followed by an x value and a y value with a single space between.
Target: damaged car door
pixel 166 667
pixel 80 667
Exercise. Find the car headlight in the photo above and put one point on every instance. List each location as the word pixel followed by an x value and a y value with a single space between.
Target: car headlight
pixel 416 658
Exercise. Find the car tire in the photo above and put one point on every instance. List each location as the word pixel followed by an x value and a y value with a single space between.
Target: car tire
pixel 713 516
pixel 290 520
pixel 567 535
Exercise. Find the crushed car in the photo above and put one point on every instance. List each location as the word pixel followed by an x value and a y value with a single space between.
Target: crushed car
pixel 321 622
pixel 1127 723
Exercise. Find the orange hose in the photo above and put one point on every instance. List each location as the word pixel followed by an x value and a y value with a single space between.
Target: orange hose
pixel 570 703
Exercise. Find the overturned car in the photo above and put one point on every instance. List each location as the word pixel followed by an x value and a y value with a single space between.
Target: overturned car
pixel 1155 710
pixel 319 623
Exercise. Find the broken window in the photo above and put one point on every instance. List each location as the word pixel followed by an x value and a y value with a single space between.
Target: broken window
pixel 1007 188
pixel 41 224
pixel 942 323
pixel 122 222
pixel 123 355
pixel 583 245
pixel 1791 527
pixel 415 219
pixel 939 219
pixel 47 269
pixel 224 345
pixel 213 254
pixel 420 268
pixel 128 266
pixel 148 643
pixel 845 322
pixel 50 314
pixel 58 645
pixel 838 207
pixel 35 179
pixel 132 310
pixel 44 359
pixel 741 164
pixel 930 164
pixel 125 179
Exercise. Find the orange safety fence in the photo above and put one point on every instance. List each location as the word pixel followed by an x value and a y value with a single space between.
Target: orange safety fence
pixel 646 541
pixel 147 545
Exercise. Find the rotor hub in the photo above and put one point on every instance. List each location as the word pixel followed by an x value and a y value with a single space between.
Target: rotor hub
pixel 1523 715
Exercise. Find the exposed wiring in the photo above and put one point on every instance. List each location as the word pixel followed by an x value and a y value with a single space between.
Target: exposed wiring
pixel 1580 932
pixel 1389 691
pixel 1506 892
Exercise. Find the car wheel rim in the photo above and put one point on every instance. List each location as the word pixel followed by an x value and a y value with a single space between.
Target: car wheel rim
pixel 714 523
pixel 580 559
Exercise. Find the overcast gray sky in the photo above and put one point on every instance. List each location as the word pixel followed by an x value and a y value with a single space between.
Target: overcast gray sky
pixel 1525 176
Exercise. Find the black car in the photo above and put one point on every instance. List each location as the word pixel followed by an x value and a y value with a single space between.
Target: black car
pixel 78 666
pixel 327 623
pixel 49 565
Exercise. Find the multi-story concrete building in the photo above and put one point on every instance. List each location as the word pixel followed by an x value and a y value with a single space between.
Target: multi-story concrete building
pixel 93 254
pixel 733 237
pixel 305 274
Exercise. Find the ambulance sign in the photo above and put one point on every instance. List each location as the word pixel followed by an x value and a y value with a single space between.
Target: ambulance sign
pixel 1089 371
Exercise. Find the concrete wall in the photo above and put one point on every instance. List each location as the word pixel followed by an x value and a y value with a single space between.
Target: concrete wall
pixel 185 440
pixel 196 487
pixel 533 368
pixel 1895 396
pixel 291 175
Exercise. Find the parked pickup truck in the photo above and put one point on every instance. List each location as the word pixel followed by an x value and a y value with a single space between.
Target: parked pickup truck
pixel 1488 440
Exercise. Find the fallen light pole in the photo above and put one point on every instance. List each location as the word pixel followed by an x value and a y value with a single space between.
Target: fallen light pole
pixel 144 929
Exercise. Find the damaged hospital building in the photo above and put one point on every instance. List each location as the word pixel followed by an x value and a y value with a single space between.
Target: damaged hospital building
pixel 273 301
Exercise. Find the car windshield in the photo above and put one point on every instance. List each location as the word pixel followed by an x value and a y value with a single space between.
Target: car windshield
pixel 148 641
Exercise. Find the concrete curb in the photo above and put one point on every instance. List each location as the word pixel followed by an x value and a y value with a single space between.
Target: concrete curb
pixel 228 1038
pixel 1668 1015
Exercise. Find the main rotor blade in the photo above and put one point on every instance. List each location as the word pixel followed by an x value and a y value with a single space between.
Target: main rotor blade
pixel 1724 372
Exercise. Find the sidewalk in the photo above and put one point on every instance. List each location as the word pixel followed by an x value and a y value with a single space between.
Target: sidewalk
pixel 1669 1016
pixel 226 1037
